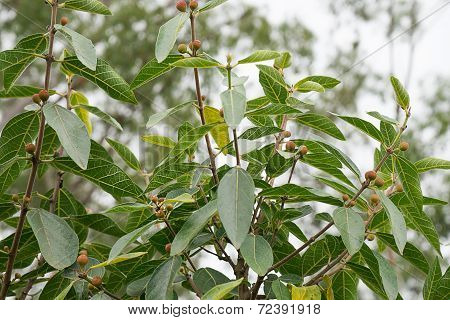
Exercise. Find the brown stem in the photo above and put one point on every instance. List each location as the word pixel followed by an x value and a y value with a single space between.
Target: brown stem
pixel 35 164
pixel 236 147
pixel 201 107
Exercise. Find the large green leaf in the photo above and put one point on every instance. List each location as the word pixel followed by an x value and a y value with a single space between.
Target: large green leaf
pixel 273 84
pixel 257 253
pixel 153 69
pixel 325 82
pixel 160 284
pixel 300 194
pixel 431 163
pixel 104 77
pixel 320 123
pixel 351 227
pixel 410 180
pixel 432 280
pixel 207 278
pixel 125 153
pixel 442 289
pixel 308 86
pixel 103 173
pixel 92 6
pixel 19 131
pixel 190 138
pixel 100 223
pixel 222 290
pixel 193 225
pixel 319 254
pixel 398 223
pixel 235 198
pixel 234 104
pixel 168 34
pixel 168 172
pixel 57 241
pixel 345 285
pixel 83 47
pixel 19 91
pixel 126 240
pixel 364 126
pixel 195 62
pixel 280 290
pixel 273 109
pixel 260 55
pixel 388 276
pixel 71 131
pixel 401 95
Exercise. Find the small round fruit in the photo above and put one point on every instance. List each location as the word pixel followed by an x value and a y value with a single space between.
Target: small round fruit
pixel 290 146
pixel 96 281
pixel 379 182
pixel 64 21
pixel 36 99
pixel 370 237
pixel 26 200
pixel 160 200
pixel 399 188
pixel 15 197
pixel 154 199
pixel 6 248
pixel 370 175
pixel 168 247
pixel 286 134
pixel 193 4
pixel 221 112
pixel 82 260
pixel 374 198
pixel 181 6
pixel 203 98
pixel 169 207
pixel 30 148
pixel 159 214
pixel 345 197
pixel 84 251
pixel 352 203
pixel 404 146
pixel 17 275
pixel 182 48
pixel 195 45
pixel 43 94
pixel 303 150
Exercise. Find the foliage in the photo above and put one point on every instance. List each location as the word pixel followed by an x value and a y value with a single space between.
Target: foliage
pixel 183 208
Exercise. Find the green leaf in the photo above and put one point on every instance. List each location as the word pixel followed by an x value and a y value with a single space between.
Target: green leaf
pixel 159 141
pixel 158 117
pixel 207 278
pixel 410 252
pixel 308 86
pixel 125 153
pixel 319 254
pixel 432 280
pixel 92 6
pixel 273 84
pixel 351 227
pixel 54 286
pixel 431 163
pixel 257 253
pixel 154 69
pixel 211 5
pixel 103 173
pixel 57 241
pixel 220 131
pixel 168 34
pixel 83 47
pixel 19 131
pixel 341 156
pixel 442 289
pixel 195 62
pixel 305 293
pixel 234 104
pixel 105 77
pixel 401 95
pixel 190 139
pixel 100 223
pixel 320 123
pixel 398 223
pixel 71 131
pixel 382 118
pixel 273 110
pixel 19 91
pixel 259 132
pixel 99 113
pixel 260 55
pixel 222 290
pixel 323 81
pixel 388 276
pixel 168 172
pixel 235 198
pixel 283 61
pixel 300 194
pixel 410 180
pixel 14 62
pixel 62 295
pixel 191 228
pixel 160 284
pixel 364 126
pixel 280 291
pixel 119 259
pixel 127 240
pixel 345 285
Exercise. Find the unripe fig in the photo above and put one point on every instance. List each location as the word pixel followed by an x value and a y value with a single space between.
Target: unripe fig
pixel 154 199
pixel 30 148
pixel 370 237
pixel 182 48
pixel 374 198
pixel 82 260
pixel 159 214
pixel 17 275
pixel 169 207
pixel 379 182
pixel 286 134
pixel 303 150
pixel 181 6
pixel 96 281
pixel 221 112
pixel 84 251
pixel 195 45
pixel 15 197
pixel 26 200
pixel 404 146
pixel 290 146
pixel 399 188
pixel 168 247
pixel 193 4
pixel 161 200
pixel 203 97
pixel 36 99
pixel 345 197
pixel 64 21
pixel 352 203
pixel 370 175
pixel 6 249
pixel 43 94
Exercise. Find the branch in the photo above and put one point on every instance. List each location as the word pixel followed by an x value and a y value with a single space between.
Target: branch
pixel 35 164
